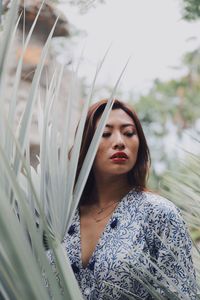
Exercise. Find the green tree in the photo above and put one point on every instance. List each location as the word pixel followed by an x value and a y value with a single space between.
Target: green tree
pixel 168 112
pixel 191 9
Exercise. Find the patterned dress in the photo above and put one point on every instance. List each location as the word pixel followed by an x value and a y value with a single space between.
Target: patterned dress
pixel 144 244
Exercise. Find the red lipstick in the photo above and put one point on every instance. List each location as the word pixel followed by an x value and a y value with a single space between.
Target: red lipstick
pixel 119 157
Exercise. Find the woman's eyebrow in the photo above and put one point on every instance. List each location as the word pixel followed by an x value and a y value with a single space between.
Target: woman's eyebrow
pixel 128 124
pixel 122 126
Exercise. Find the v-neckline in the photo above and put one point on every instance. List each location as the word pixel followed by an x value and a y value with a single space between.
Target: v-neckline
pixel 100 239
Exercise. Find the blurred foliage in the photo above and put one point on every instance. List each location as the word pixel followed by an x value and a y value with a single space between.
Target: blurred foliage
pixel 83 5
pixel 191 9
pixel 176 101
pixel 182 187
pixel 167 112
pixel 171 108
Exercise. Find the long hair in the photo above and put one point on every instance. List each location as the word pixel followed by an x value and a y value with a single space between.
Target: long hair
pixel 137 176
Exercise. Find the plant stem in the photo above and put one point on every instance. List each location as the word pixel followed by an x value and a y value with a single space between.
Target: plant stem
pixel 71 290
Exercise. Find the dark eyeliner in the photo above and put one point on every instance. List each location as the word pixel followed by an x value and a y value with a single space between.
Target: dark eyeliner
pixel 106 134
pixel 130 134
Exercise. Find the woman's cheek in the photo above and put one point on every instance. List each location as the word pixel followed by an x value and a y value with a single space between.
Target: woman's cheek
pixel 99 157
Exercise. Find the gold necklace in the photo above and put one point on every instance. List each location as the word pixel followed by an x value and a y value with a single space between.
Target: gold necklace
pixel 97 220
pixel 101 210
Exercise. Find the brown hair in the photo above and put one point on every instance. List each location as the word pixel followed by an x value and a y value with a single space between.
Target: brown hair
pixel 137 176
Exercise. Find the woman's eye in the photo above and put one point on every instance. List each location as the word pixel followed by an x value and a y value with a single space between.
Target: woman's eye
pixel 129 134
pixel 106 134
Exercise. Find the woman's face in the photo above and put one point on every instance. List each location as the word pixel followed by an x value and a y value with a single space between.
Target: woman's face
pixel 118 149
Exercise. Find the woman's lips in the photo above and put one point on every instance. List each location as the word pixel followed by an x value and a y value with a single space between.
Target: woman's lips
pixel 119 157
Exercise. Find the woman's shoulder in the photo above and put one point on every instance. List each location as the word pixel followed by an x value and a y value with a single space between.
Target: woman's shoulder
pixel 161 210
pixel 156 214
pixel 156 201
pixel 154 205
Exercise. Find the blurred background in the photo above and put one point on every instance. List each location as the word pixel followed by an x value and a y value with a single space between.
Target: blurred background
pixel 162 80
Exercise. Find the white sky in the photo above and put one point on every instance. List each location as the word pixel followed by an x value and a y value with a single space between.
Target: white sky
pixel 151 30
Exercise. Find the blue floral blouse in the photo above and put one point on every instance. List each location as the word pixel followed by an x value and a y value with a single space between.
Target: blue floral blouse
pixel 145 244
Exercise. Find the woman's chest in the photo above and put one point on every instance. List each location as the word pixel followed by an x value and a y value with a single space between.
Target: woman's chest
pixel 90 235
pixel 117 246
pixel 115 259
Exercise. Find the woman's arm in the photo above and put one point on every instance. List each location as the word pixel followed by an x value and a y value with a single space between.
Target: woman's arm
pixel 173 260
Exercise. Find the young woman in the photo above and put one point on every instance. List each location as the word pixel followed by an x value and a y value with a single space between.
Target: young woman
pixel 124 238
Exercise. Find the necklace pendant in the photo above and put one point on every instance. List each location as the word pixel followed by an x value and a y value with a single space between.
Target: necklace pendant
pixel 100 212
pixel 98 220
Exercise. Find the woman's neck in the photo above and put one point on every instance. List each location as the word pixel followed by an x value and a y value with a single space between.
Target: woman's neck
pixel 109 190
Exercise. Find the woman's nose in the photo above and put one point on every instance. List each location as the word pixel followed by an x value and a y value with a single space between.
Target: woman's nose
pixel 118 142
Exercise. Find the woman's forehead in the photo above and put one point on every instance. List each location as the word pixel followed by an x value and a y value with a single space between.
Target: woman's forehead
pixel 120 118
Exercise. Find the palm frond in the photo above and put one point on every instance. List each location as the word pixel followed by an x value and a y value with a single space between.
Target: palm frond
pixel 182 187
